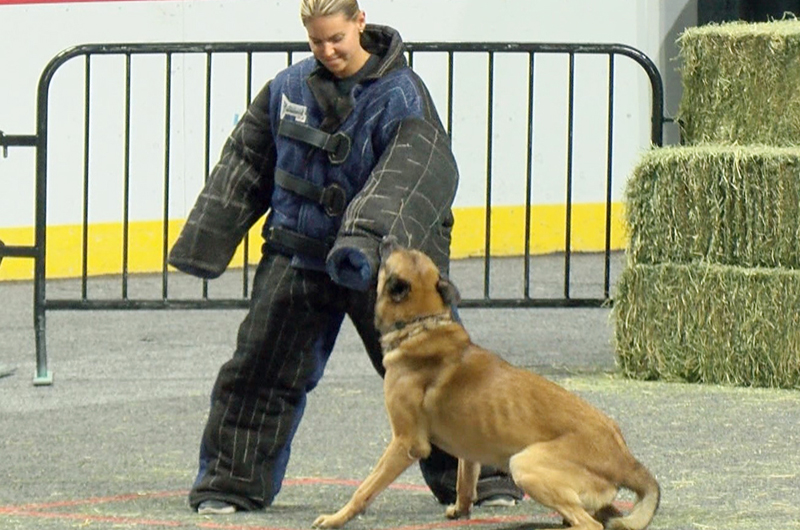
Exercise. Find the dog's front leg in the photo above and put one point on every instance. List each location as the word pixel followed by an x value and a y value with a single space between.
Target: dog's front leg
pixel 397 458
pixel 466 489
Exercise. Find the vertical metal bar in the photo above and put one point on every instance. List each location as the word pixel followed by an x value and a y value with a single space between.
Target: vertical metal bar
pixel 570 145
pixel 85 215
pixel 167 141
pixel 609 173
pixel 246 249
pixel 127 178
pixel 657 105
pixel 411 59
pixel 207 141
pixel 488 227
pixel 289 58
pixel 43 376
pixel 529 180
pixel 450 93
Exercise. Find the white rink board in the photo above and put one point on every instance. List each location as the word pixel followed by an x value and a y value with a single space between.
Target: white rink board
pixel 52 27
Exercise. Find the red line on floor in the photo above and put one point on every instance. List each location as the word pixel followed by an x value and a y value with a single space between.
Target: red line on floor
pixel 228 526
pixel 92 500
pixel 37 510
pixel 136 521
pixel 465 522
pixel 302 481
pixel 346 482
pixel 93 518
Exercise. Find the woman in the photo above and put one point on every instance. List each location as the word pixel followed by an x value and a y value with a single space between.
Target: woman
pixel 343 148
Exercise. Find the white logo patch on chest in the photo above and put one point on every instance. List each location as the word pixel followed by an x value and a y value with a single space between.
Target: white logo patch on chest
pixel 295 110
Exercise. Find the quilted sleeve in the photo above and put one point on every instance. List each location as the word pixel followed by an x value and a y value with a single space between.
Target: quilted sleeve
pixel 236 195
pixel 409 195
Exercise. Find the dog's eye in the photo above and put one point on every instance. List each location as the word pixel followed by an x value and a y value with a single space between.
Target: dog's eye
pixel 397 288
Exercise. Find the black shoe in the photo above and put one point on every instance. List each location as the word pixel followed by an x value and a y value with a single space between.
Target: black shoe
pixel 497 501
pixel 497 489
pixel 494 488
pixel 215 507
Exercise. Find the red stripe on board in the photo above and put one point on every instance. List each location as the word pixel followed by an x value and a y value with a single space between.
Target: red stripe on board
pixel 13 2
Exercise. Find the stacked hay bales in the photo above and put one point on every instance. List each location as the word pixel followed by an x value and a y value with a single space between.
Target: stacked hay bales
pixel 740 83
pixel 711 292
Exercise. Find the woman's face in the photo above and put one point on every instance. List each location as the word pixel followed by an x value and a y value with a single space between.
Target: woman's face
pixel 336 43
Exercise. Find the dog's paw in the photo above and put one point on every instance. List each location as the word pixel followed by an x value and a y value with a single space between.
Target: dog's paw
pixel 453 512
pixel 328 521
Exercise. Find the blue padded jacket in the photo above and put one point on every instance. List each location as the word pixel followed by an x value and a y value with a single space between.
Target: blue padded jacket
pixel 382 145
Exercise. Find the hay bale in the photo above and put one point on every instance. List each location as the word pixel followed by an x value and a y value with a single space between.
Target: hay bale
pixel 709 324
pixel 734 205
pixel 740 83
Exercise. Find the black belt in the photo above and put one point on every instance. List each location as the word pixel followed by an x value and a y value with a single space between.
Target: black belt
pixel 291 242
pixel 332 196
pixel 337 145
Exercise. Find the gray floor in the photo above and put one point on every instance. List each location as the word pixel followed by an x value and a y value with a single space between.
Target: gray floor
pixel 112 443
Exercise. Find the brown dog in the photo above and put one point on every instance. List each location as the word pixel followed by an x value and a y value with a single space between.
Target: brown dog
pixel 441 388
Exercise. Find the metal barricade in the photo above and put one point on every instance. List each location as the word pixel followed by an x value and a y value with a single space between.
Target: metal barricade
pixel 532 51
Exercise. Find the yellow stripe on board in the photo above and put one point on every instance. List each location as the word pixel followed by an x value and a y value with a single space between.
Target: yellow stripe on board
pixel 547 225
pixel 105 255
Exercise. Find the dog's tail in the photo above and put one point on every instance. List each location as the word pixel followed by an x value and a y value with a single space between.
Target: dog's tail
pixel 648 495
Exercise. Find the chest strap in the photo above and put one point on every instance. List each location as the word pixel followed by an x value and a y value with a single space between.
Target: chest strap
pixel 337 145
pixel 332 196
pixel 290 243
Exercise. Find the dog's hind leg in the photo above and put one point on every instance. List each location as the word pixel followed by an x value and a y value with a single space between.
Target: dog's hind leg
pixel 466 489
pixel 560 484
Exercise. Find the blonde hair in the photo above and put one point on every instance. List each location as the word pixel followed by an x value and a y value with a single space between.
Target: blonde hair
pixel 310 9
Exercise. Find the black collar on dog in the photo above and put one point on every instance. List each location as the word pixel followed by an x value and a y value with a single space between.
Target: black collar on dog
pixel 405 329
pixel 403 323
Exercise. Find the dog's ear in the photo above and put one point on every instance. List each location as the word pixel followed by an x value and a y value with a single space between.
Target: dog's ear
pixel 448 291
pixel 397 288
pixel 388 245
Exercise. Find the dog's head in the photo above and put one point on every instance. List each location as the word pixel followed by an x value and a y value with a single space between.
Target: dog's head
pixel 410 287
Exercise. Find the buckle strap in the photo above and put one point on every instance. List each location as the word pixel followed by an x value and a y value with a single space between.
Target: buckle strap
pixel 292 242
pixel 332 196
pixel 337 145
pixel 306 133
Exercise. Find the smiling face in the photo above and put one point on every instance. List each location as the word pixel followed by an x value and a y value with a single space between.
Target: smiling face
pixel 335 41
